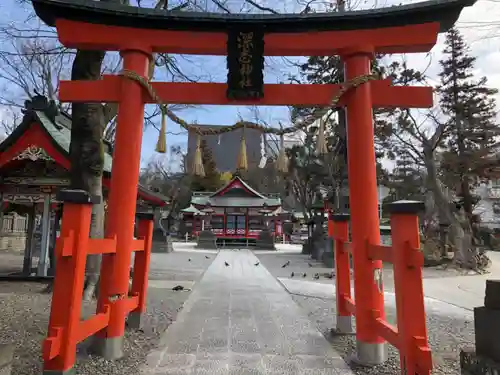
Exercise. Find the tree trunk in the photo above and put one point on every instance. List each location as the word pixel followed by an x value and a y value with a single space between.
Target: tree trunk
pixel 460 233
pixel 87 155
pixel 93 267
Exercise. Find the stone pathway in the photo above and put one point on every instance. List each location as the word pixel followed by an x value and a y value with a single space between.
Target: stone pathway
pixel 240 321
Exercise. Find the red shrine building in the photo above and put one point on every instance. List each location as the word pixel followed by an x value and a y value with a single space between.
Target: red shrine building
pixel 35 165
pixel 236 211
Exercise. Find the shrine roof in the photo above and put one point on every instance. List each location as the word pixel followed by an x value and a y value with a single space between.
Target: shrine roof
pixel 236 193
pixel 446 12
pixel 235 181
pixel 59 131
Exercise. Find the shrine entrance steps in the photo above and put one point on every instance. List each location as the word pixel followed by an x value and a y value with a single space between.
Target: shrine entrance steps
pixel 236 242
pixel 240 320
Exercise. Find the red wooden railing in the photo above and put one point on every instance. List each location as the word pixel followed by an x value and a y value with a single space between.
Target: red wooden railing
pixel 66 329
pixel 410 334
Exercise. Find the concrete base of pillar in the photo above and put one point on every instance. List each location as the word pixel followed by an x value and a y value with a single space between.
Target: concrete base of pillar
pixel 71 371
pixel 368 354
pixel 109 348
pixel 134 320
pixel 344 326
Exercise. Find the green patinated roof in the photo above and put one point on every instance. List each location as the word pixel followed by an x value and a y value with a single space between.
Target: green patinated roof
pixel 252 199
pixel 63 135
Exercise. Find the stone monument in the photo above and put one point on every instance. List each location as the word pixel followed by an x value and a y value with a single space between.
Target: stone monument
pixel 485 359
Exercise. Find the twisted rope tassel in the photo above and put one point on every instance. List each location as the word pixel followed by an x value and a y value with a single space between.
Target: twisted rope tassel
pixel 242 163
pixel 198 169
pixel 321 147
pixel 161 145
pixel 282 162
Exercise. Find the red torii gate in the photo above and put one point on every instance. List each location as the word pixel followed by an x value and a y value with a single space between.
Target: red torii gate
pixel 355 36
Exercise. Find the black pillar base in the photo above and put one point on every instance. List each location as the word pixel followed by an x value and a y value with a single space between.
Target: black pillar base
pixel 487 331
pixel 473 364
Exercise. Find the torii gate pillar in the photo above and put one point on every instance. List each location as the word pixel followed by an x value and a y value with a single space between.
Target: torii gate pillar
pixel 363 202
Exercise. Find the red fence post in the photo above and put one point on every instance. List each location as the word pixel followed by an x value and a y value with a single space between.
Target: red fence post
pixel 343 270
pixel 408 262
pixel 59 349
pixel 141 267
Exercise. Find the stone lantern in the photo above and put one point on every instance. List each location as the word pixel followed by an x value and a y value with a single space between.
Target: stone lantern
pixel 207 239
pixel 265 241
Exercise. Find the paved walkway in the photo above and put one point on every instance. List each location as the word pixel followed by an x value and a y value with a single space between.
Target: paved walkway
pixel 240 320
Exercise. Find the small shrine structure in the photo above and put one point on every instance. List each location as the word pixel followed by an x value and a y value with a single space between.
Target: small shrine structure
pixel 235 213
pixel 34 166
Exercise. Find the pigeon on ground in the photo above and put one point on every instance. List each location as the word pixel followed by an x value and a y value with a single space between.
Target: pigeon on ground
pixel 310 265
pixel 304 275
pixel 227 264
pixel 292 275
pixel 256 264
pixel 207 257
pixel 329 275
pixel 316 276
pixel 189 260
pixel 286 264
pixel 178 287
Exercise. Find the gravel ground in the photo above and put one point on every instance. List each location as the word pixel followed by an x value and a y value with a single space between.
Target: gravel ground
pixel 447 335
pixel 24 312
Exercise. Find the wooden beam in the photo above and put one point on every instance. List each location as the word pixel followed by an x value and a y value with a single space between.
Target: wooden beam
pixel 108 90
pixel 400 39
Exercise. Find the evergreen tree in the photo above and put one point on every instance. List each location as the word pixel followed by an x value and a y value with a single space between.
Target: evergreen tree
pixel 306 174
pixel 330 70
pixel 470 112
pixel 406 180
pixel 212 179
